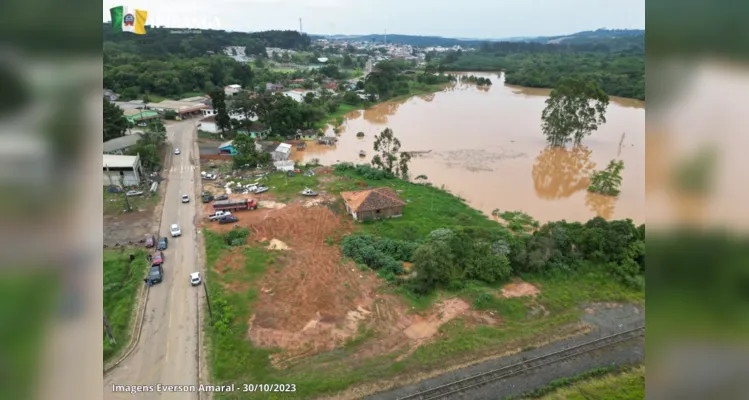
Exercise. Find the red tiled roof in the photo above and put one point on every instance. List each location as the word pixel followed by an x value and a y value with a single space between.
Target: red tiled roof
pixel 372 199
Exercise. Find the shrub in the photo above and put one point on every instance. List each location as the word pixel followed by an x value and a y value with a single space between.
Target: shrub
pixel 236 237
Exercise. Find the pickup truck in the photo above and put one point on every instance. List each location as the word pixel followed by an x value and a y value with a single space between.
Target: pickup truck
pixel 218 214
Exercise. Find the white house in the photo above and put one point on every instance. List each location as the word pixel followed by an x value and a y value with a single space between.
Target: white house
pixel 122 170
pixel 233 115
pixel 284 166
pixel 282 152
pixel 297 95
pixel 231 90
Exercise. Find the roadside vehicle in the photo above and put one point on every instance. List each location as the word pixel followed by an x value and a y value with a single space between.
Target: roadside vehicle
pixel 218 214
pixel 155 275
pixel 234 205
pixel 195 278
pixel 228 219
pixel 150 240
pixel 158 258
pixel 162 244
pixel 185 198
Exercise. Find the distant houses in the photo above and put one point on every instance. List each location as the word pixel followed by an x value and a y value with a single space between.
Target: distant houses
pixel 273 87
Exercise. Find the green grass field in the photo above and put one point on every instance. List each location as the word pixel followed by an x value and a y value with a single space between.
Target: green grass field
pixel 626 385
pixel 122 281
pixel 114 203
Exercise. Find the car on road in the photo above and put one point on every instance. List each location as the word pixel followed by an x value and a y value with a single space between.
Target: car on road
pixel 227 219
pixel 195 278
pixel 158 258
pixel 185 198
pixel 176 151
pixel 134 193
pixel 163 243
pixel 175 230
pixel 155 275
pixel 150 241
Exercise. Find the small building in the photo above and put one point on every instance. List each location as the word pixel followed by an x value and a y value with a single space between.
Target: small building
pixel 284 166
pixel 122 170
pixel 282 152
pixel 227 148
pixel 110 95
pixel 272 87
pixel 135 116
pixel 181 108
pixel 231 90
pixel 208 124
pixel 266 146
pixel 299 81
pixel 121 144
pixel 297 94
pixel 331 86
pixel 322 60
pixel 376 203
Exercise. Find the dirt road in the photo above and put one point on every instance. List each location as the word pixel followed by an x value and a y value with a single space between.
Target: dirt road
pixel 167 351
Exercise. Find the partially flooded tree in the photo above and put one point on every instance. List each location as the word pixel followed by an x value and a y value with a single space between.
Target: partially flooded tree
pixel 607 181
pixel 574 109
pixel 390 159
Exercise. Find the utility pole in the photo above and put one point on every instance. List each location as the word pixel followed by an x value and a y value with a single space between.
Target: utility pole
pixel 300 26
pixel 109 330
pixel 208 300
pixel 122 185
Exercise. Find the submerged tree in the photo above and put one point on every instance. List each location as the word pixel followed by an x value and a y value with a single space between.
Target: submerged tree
pixel 607 181
pixel 574 109
pixel 390 159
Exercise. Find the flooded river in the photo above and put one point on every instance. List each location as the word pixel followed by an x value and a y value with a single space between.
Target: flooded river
pixel 487 147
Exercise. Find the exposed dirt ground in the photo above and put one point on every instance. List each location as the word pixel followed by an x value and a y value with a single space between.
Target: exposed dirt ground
pixel 314 302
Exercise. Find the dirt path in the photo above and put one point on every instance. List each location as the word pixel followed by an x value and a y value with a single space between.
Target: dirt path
pixel 605 319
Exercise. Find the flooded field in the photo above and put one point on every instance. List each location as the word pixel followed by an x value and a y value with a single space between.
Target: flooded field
pixel 486 145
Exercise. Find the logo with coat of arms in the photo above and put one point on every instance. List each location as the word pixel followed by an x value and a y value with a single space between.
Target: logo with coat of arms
pixel 129 20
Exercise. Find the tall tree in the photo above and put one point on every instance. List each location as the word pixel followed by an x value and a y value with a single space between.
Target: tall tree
pixel 223 121
pixel 247 154
pixel 115 123
pixel 574 109
pixel 390 159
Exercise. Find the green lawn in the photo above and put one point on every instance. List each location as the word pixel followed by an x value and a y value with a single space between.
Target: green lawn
pixel 115 203
pixel 27 303
pixel 285 188
pixel 122 280
pixel 626 385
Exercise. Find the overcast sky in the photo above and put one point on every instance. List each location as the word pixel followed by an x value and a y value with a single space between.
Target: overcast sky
pixel 464 18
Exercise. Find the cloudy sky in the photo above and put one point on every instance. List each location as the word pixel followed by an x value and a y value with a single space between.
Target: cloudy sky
pixel 464 18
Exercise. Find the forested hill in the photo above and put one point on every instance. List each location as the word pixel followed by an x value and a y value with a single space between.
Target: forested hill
pixel 412 40
pixel 161 42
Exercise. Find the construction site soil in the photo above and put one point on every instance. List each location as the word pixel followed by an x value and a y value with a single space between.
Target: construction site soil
pixel 312 300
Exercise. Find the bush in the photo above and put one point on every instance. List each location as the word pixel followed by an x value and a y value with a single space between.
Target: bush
pixel 382 255
pixel 236 237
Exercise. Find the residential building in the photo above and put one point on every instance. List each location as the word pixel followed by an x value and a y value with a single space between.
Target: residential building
pixel 122 170
pixel 282 152
pixel 121 144
pixel 284 166
pixel 322 60
pixel 233 115
pixel 297 94
pixel 208 124
pixel 273 87
pixel 231 90
pixel 110 95
pixel 375 203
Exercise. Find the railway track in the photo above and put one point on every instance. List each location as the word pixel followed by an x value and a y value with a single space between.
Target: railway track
pixel 450 389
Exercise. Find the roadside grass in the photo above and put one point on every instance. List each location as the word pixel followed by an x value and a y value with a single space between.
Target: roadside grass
pixel 628 384
pixel 428 208
pixel 114 203
pixel 122 280
pixel 27 303
pixel 208 135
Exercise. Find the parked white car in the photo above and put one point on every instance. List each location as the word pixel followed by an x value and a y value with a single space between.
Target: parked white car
pixel 133 193
pixel 175 231
pixel 185 198
pixel 176 151
pixel 195 278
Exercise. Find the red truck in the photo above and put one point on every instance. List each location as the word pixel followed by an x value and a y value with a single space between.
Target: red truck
pixel 234 205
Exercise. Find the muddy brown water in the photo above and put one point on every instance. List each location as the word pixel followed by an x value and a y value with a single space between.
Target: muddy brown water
pixel 487 147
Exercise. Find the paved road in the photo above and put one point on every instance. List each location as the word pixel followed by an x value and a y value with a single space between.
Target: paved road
pixel 167 351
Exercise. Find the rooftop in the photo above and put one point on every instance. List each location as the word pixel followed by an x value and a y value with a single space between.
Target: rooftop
pixel 178 105
pixel 372 199
pixel 115 161
pixel 284 148
pixel 121 142
pixel 226 144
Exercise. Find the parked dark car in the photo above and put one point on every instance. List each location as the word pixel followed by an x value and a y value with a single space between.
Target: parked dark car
pixel 158 258
pixel 228 219
pixel 221 197
pixel 150 241
pixel 163 244
pixel 290 174
pixel 207 198
pixel 155 275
